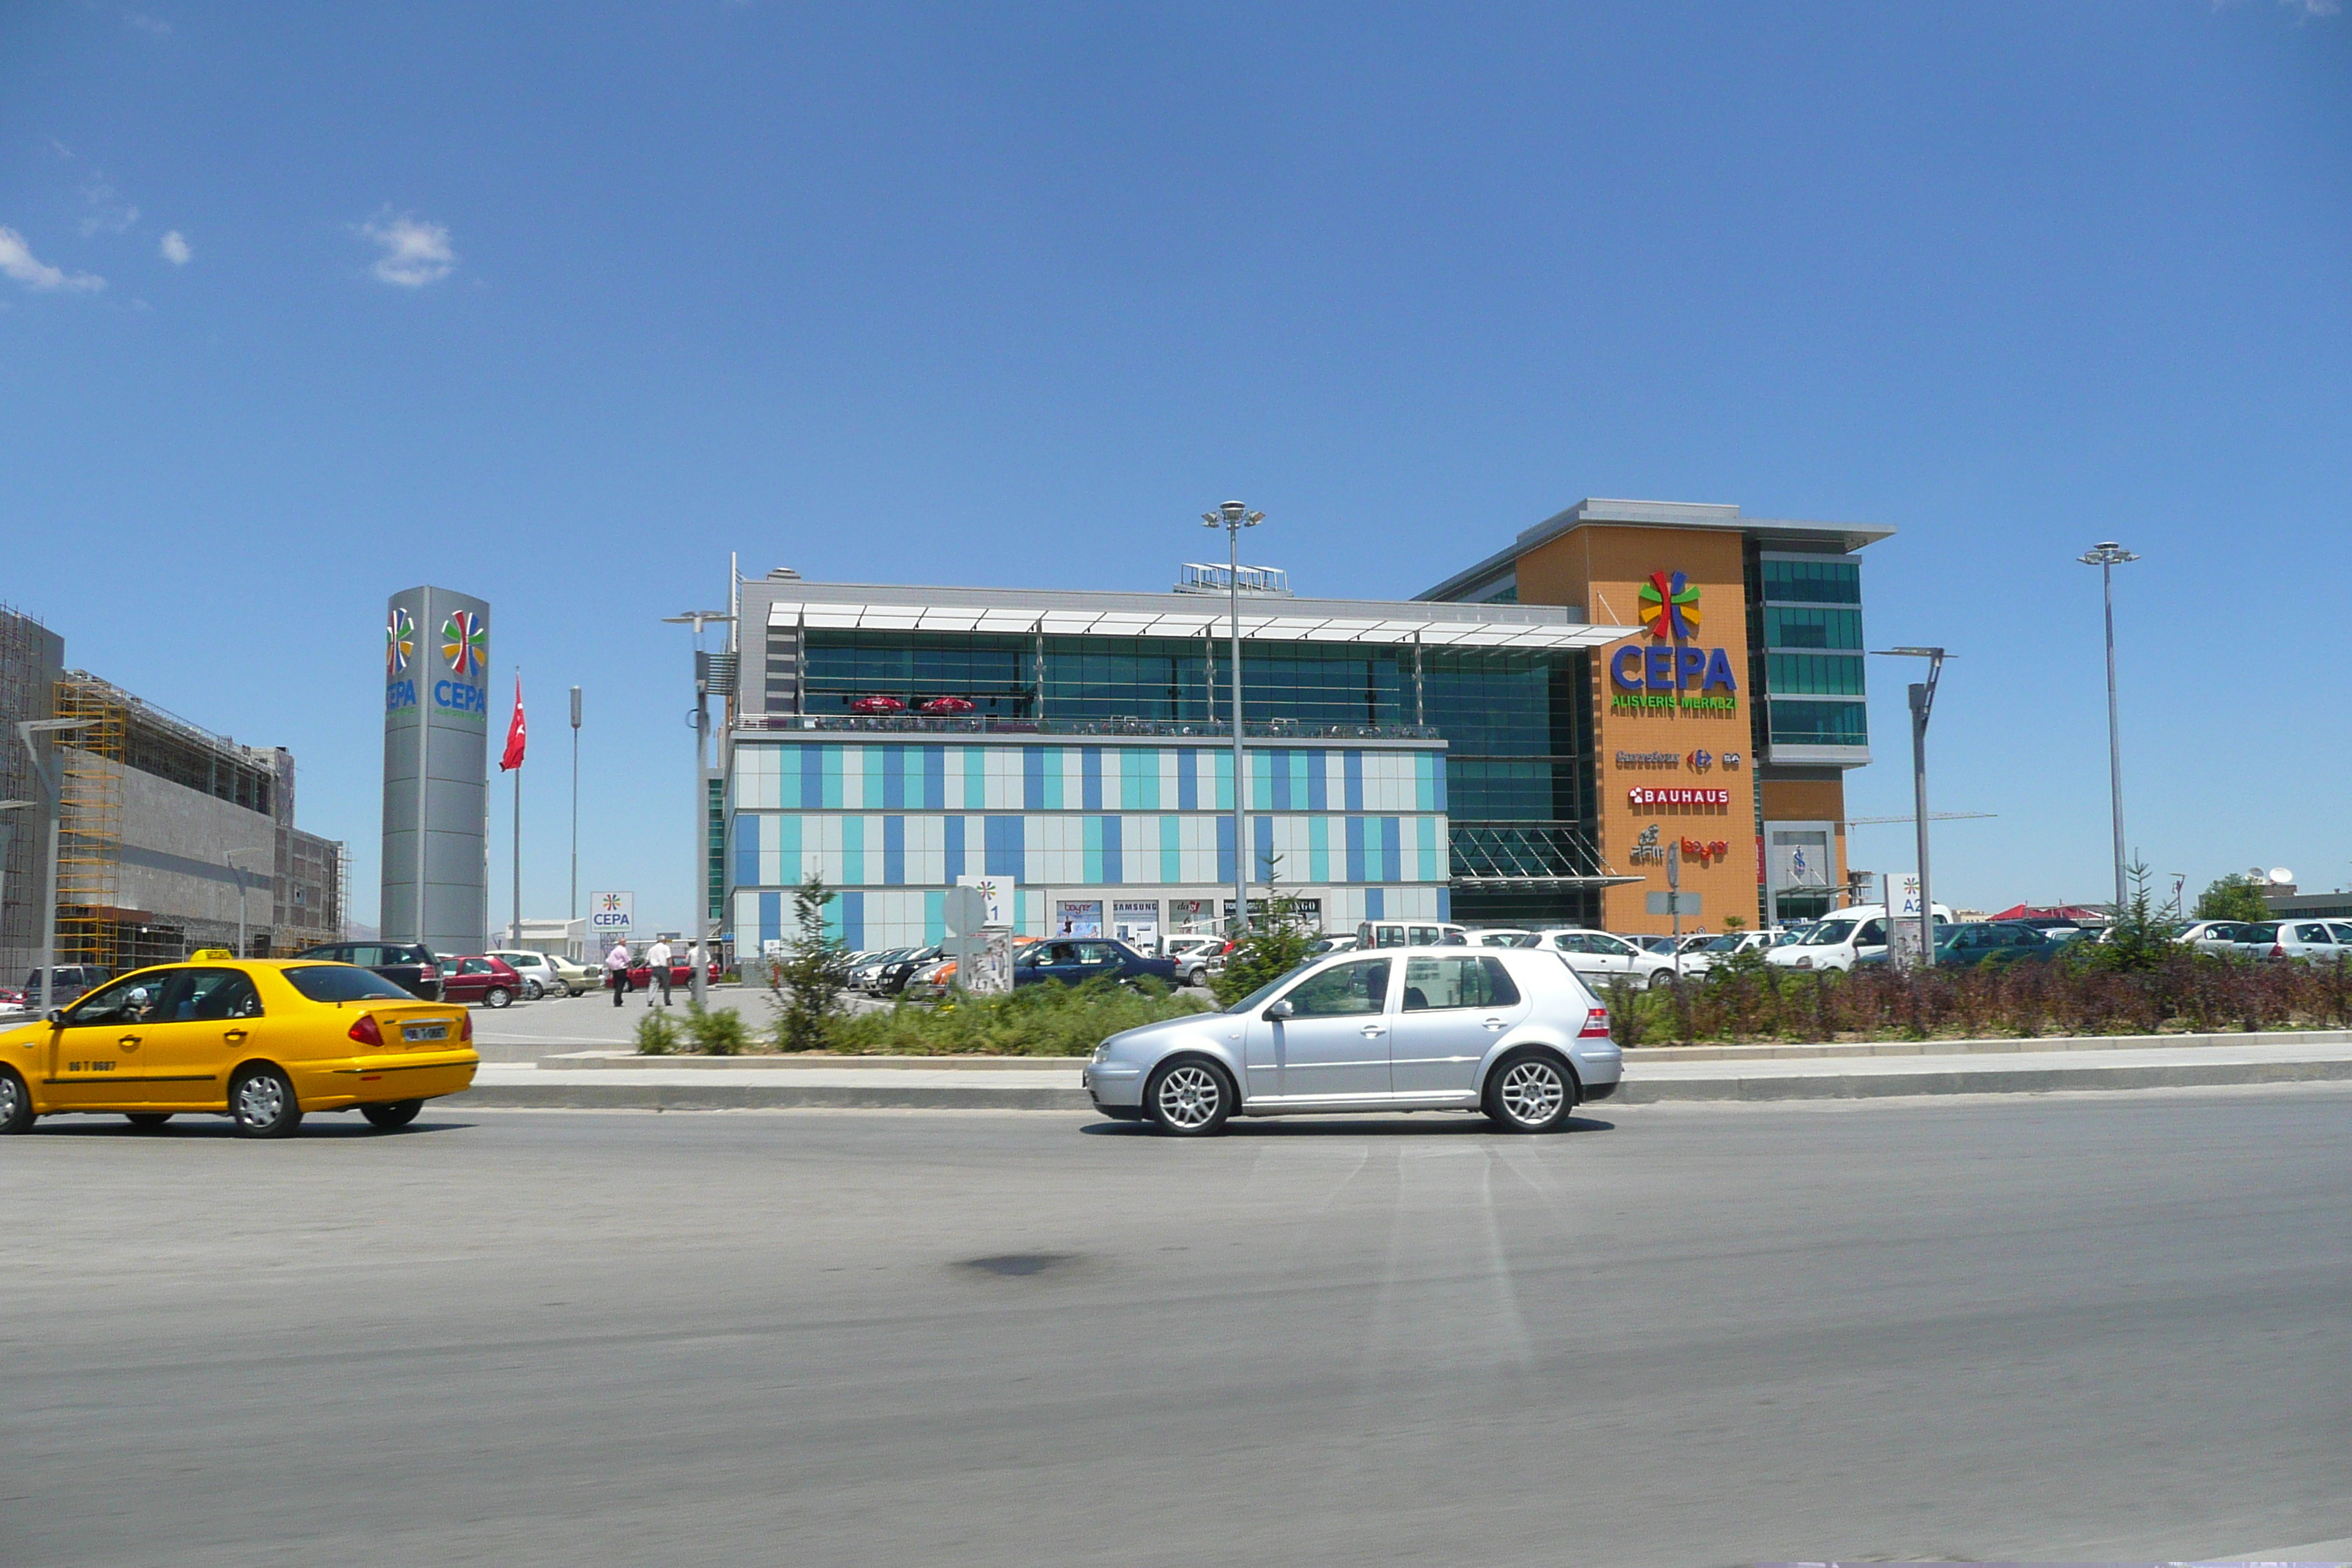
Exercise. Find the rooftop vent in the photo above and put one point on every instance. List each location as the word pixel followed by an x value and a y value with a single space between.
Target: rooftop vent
pixel 1205 577
pixel 782 574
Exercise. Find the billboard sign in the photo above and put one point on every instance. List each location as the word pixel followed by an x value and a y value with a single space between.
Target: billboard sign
pixel 437 704
pixel 611 915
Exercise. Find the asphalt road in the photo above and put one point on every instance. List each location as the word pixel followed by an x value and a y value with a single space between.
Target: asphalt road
pixel 2098 1327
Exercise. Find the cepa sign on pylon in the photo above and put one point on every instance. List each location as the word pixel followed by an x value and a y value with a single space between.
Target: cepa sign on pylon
pixel 612 914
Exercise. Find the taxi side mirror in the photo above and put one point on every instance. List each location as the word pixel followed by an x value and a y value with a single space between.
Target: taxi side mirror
pixel 1278 1011
pixel 57 1014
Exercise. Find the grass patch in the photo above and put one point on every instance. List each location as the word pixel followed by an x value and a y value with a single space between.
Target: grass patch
pixel 1041 1020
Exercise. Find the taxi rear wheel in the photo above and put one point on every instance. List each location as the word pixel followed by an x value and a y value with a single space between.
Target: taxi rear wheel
pixel 399 1113
pixel 15 1104
pixel 261 1104
pixel 497 997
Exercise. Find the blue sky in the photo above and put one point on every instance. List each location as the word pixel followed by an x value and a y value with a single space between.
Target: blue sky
pixel 561 303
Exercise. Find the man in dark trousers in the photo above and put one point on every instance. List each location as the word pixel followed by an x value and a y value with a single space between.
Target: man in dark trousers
pixel 617 970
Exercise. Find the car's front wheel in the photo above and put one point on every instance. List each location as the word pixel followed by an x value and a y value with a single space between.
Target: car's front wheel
pixel 1530 1091
pixel 1189 1097
pixel 1661 979
pixel 497 997
pixel 261 1104
pixel 15 1104
pixel 532 991
pixel 399 1113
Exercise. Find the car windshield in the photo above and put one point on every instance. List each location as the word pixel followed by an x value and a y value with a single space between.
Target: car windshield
pixel 343 983
pixel 1828 934
pixel 1723 944
pixel 1257 998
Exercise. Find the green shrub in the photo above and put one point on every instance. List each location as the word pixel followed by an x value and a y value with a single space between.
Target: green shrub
pixel 717 1032
pixel 656 1033
pixel 1044 1019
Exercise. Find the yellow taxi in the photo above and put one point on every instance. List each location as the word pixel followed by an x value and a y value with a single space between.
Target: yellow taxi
pixel 262 1041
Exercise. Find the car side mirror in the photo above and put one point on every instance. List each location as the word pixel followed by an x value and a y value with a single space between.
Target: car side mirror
pixel 1277 1011
pixel 57 1014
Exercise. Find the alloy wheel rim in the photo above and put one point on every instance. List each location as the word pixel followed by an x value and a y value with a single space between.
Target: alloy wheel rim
pixel 260 1101
pixel 1188 1097
pixel 9 1099
pixel 1532 1092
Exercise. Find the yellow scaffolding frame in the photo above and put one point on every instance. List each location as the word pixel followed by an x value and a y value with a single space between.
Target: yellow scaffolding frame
pixel 89 829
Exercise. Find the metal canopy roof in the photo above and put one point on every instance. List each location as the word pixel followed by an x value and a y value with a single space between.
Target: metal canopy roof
pixel 1293 621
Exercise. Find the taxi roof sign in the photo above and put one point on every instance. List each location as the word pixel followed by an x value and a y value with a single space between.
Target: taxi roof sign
pixel 204 954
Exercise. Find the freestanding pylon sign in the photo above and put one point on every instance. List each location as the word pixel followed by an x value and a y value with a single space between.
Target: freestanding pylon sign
pixel 436 709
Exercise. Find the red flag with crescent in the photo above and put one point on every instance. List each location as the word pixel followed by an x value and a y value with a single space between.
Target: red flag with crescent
pixel 515 735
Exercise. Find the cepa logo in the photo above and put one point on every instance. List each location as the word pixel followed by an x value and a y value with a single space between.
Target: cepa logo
pixel 466 643
pixel 399 643
pixel 609 902
pixel 1669 606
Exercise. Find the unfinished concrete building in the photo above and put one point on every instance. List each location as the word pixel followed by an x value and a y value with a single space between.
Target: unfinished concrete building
pixel 169 832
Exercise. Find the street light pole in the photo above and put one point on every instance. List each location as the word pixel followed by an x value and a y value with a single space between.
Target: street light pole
pixel 1232 516
pixel 1923 701
pixel 571 909
pixel 232 866
pixel 50 775
pixel 700 720
pixel 2106 555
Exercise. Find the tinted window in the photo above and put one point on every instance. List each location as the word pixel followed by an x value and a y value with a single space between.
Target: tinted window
pixel 2258 933
pixel 1873 934
pixel 342 983
pixel 1348 989
pixel 1389 936
pixel 1431 984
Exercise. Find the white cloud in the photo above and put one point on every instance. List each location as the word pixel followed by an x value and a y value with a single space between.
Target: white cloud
pixel 153 26
pixel 415 252
pixel 109 212
pixel 176 249
pixel 17 261
pixel 2307 9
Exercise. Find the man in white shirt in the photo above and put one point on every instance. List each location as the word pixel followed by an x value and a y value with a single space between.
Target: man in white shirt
pixel 658 959
pixel 617 970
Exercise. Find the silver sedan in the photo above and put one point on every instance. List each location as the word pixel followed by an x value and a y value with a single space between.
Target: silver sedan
pixel 1507 1031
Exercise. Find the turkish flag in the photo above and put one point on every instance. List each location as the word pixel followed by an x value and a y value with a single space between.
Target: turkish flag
pixel 515 735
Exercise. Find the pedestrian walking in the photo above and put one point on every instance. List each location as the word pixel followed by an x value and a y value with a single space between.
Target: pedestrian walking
pixel 617 971
pixel 657 960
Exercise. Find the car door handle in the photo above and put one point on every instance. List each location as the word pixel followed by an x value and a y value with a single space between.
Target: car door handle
pixel 1494 1022
pixel 1374 1031
pixel 234 1035
pixel 129 1042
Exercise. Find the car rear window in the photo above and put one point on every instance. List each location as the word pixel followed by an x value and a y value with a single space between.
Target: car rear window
pixel 343 983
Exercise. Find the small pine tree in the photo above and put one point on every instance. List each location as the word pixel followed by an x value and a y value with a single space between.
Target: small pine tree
pixel 1273 948
pixel 807 982
pixel 2139 939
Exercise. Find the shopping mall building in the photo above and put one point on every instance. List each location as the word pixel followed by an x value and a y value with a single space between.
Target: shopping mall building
pixel 1521 744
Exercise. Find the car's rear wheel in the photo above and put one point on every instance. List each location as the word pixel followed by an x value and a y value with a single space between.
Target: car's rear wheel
pixel 532 991
pixel 261 1104
pixel 497 997
pixel 1189 1097
pixel 15 1104
pixel 399 1113
pixel 147 1120
pixel 1530 1091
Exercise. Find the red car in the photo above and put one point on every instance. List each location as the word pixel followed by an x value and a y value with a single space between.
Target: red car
pixel 492 981
pixel 681 975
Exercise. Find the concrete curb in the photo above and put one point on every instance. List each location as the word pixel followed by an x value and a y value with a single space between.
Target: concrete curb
pixel 982 1096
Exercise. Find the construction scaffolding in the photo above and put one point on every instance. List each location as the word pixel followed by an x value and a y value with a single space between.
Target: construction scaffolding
pixel 90 830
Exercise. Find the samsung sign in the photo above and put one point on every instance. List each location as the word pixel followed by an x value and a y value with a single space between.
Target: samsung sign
pixel 436 701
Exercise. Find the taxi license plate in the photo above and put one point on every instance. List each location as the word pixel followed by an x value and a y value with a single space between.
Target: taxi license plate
pixel 415 1032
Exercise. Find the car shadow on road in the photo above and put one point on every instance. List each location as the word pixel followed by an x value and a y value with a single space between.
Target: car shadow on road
pixel 321 1124
pixel 1407 1125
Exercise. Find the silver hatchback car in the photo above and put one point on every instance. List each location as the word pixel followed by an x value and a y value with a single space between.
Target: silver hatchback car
pixel 1507 1031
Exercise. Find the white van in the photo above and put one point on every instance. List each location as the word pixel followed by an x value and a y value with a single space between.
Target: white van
pixel 1410 933
pixel 1840 939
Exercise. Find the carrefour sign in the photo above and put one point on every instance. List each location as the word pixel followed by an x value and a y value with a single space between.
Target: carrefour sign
pixel 1672 671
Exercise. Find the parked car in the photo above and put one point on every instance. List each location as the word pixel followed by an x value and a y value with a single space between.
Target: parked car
pixel 867 972
pixel 2214 936
pixel 411 966
pixel 930 980
pixel 68 983
pixel 1841 939
pixel 1708 952
pixel 1601 959
pixel 1973 943
pixel 899 971
pixel 1502 936
pixel 1510 1032
pixel 1323 945
pixel 2309 941
pixel 1073 960
pixel 1410 933
pixel 546 973
pixel 681 973
pixel 1196 957
pixel 478 977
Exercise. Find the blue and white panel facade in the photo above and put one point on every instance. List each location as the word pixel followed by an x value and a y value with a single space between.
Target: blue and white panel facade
pixel 892 825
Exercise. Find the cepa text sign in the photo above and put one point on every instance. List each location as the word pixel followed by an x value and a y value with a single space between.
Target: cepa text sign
pixel 612 914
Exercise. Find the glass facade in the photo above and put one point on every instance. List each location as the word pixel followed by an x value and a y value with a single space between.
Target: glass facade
pixel 1806 619
pixel 1787 627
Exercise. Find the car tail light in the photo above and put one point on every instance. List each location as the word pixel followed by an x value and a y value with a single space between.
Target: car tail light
pixel 466 1028
pixel 366 1032
pixel 2277 952
pixel 1596 1025
pixel 428 973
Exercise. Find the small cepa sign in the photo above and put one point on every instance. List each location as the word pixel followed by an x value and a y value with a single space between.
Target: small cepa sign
pixel 1642 795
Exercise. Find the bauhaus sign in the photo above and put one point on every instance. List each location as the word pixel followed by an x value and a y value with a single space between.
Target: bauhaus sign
pixel 1672 671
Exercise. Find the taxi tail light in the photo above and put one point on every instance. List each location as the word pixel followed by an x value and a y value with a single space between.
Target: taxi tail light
pixel 366 1032
pixel 1596 1025
pixel 466 1028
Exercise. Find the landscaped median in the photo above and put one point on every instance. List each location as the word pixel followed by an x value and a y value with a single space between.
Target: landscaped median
pixel 616 1080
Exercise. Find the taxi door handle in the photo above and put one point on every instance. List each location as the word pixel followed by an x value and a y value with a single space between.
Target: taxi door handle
pixel 129 1042
pixel 234 1035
